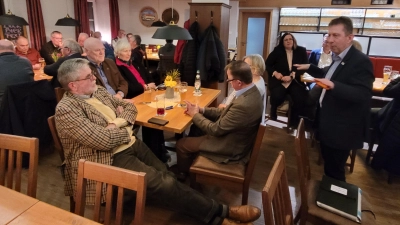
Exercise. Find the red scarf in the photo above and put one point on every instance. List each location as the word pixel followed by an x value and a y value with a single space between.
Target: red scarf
pixel 133 70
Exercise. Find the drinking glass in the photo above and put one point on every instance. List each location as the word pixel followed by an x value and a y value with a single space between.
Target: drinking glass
pixel 147 95
pixel 387 70
pixel 182 91
pixel 42 65
pixel 160 103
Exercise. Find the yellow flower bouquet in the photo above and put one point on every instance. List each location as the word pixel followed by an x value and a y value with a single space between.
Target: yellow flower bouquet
pixel 170 78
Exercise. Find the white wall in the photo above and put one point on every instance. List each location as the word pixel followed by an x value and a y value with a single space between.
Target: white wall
pixel 233 24
pixel 102 18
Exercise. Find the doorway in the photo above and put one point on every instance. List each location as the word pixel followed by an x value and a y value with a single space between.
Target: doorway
pixel 254 32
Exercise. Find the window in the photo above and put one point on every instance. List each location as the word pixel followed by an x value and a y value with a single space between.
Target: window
pixel 90 8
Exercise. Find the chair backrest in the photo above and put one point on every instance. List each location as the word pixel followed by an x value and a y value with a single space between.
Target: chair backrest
pixel 275 195
pixel 11 148
pixel 255 151
pixel 59 93
pixel 303 162
pixel 110 176
pixel 167 63
pixel 57 143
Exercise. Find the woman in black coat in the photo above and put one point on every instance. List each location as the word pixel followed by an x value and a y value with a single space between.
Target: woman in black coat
pixel 134 73
pixel 284 79
pixel 139 80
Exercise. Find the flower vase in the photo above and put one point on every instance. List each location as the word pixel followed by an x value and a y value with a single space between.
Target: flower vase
pixel 169 93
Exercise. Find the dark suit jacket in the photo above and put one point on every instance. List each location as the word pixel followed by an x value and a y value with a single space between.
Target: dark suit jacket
pixel 47 50
pixel 344 115
pixel 230 132
pixel 137 55
pixel 386 114
pixel 134 87
pixel 114 77
pixel 277 61
pixel 314 56
pixel 52 70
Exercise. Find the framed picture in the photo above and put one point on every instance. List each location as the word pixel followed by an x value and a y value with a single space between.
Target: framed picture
pixel 167 16
pixel 147 16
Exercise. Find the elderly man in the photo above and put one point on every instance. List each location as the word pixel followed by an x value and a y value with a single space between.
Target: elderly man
pixel 51 51
pixel 93 125
pixel 105 70
pixel 70 50
pixel 121 34
pixel 81 39
pixel 109 51
pixel 22 49
pixel 224 135
pixel 13 69
pixel 344 103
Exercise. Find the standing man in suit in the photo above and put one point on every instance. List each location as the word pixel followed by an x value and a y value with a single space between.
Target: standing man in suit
pixel 344 104
pixel 70 50
pixel 224 135
pixel 105 70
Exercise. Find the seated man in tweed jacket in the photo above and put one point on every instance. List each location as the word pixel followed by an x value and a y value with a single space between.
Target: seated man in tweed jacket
pixel 94 125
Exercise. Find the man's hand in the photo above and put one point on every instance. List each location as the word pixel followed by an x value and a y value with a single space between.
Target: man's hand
pixel 191 109
pixel 119 110
pixel 221 106
pixel 111 126
pixel 302 66
pixel 286 79
pixel 278 76
pixel 36 66
pixel 129 100
pixel 118 96
pixel 151 85
pixel 324 83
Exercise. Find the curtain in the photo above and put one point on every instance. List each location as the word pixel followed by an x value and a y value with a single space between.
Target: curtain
pixel 114 17
pixel 37 31
pixel 81 14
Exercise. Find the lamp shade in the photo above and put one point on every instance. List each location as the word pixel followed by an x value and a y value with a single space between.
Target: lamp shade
pixel 11 19
pixel 158 23
pixel 172 32
pixel 67 21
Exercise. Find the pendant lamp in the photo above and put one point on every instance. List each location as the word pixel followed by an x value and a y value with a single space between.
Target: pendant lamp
pixel 158 23
pixel 172 31
pixel 11 19
pixel 67 21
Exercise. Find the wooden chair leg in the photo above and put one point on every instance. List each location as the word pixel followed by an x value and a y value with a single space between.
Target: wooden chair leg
pixel 352 155
pixel 370 146
pixel 71 204
pixel 245 195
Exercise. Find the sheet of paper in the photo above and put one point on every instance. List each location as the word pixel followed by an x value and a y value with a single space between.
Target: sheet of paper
pixel 339 190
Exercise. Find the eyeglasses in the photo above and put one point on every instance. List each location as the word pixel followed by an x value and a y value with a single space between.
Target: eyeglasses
pixel 88 77
pixel 230 80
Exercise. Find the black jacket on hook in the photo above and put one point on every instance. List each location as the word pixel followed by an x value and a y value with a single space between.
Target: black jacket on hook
pixel 187 66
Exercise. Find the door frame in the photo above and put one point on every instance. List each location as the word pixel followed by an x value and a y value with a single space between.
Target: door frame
pixel 240 50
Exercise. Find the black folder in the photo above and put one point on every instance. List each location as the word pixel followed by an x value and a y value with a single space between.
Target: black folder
pixel 341 198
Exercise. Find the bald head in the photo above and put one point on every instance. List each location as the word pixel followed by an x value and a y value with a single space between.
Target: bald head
pixel 22 44
pixel 97 35
pixel 94 49
pixel 6 46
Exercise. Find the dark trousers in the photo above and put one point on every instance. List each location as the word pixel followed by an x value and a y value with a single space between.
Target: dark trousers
pixel 334 161
pixel 296 91
pixel 162 184
pixel 154 139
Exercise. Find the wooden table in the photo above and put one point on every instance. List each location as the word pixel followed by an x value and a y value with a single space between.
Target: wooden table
pixel 13 204
pixel 378 87
pixel 44 214
pixel 178 120
pixel 153 56
pixel 39 76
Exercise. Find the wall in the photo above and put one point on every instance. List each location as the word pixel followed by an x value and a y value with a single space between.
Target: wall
pixel 101 9
pixel 312 3
pixel 233 24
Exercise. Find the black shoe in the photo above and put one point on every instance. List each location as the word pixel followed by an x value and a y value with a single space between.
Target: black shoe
pixel 181 176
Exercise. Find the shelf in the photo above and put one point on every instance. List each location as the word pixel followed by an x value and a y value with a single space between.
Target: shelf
pixel 298 16
pixel 383 18
pixel 353 26
pixel 357 17
pixel 382 28
pixel 298 25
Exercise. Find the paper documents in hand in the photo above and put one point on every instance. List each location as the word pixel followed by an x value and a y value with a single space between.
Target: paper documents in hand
pixel 307 78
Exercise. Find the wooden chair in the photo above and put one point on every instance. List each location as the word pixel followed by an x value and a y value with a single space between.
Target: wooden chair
pixel 276 197
pixel 204 170
pixel 110 176
pixel 59 148
pixel 59 93
pixel 11 148
pixel 309 211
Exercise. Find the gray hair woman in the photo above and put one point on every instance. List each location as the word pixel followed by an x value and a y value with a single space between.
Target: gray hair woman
pixel 134 73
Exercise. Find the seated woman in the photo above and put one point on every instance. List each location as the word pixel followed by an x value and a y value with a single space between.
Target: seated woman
pixel 285 79
pixel 134 73
pixel 138 80
pixel 257 65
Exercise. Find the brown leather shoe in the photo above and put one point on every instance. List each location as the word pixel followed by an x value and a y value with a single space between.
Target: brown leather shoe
pixel 230 222
pixel 244 213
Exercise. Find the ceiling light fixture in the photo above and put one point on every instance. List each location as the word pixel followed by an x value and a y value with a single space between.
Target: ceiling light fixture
pixel 158 23
pixel 11 19
pixel 172 31
pixel 67 21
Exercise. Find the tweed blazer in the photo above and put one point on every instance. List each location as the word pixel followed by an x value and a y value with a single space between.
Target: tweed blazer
pixel 114 77
pixel 230 132
pixel 82 132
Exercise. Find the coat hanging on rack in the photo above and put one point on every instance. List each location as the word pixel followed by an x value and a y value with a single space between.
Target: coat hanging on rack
pixel 187 67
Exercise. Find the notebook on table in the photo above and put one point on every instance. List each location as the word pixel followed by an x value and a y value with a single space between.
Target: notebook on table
pixel 341 198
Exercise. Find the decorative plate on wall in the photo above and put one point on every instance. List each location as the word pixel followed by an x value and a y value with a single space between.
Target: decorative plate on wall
pixel 167 16
pixel 147 16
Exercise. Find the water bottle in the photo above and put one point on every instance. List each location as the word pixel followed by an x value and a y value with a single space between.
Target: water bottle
pixel 197 83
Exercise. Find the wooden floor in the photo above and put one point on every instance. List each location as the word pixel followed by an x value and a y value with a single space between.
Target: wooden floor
pixel 384 197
